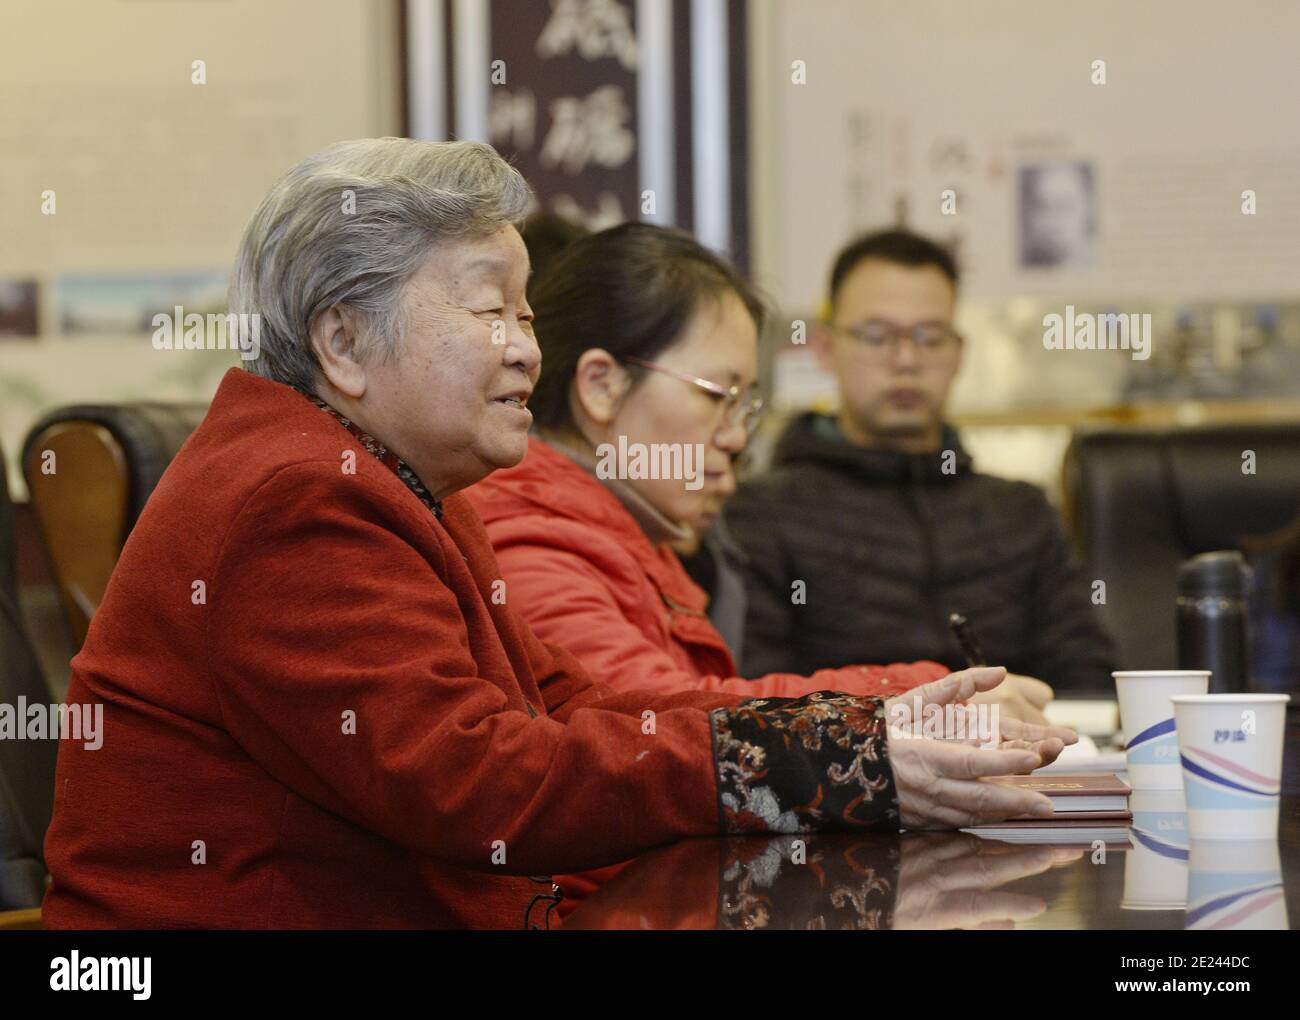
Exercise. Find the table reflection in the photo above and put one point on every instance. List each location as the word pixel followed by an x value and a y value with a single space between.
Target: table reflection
pixel 953 880
pixel 1234 886
pixel 912 880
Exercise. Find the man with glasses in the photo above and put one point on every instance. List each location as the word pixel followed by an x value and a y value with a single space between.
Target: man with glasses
pixel 872 527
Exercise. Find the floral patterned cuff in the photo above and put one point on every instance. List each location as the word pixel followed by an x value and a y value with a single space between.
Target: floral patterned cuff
pixel 804 764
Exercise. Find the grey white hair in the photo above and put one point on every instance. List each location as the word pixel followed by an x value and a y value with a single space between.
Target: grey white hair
pixel 351 225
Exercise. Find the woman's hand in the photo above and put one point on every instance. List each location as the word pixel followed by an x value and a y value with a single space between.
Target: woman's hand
pixel 938 781
pixel 1035 691
pixel 985 685
pixel 1019 697
pixel 939 786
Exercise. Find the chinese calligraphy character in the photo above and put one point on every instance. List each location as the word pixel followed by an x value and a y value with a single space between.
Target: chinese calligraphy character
pixel 608 211
pixel 513 118
pixel 597 28
pixel 589 130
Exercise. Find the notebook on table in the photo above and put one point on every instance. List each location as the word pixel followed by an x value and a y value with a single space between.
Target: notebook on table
pixel 1087 808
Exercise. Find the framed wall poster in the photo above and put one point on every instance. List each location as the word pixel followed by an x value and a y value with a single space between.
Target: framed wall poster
pixel 611 109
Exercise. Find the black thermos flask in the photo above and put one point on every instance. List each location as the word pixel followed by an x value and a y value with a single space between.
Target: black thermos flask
pixel 1213 591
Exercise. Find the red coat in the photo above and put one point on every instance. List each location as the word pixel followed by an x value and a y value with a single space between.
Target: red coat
pixel 581 571
pixel 315 715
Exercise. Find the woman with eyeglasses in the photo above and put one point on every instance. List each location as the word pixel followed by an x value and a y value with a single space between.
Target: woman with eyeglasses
pixel 647 395
pixel 646 398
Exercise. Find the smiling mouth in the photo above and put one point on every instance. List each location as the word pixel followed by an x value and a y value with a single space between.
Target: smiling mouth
pixel 516 402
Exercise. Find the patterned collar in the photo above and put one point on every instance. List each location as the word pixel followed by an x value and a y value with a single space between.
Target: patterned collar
pixel 386 456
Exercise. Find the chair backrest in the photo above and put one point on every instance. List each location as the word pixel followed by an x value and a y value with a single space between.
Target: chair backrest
pixel 21 920
pixel 90 469
pixel 26 765
pixel 1140 501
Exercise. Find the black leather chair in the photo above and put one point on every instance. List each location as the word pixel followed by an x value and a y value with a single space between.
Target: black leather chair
pixel 1139 501
pixel 106 460
pixel 26 766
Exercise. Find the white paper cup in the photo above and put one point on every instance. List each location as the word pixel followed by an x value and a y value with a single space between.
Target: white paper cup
pixel 1147 719
pixel 1230 746
pixel 1155 868
pixel 1235 887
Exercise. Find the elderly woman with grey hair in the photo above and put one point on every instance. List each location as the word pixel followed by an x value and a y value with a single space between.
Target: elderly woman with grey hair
pixel 320 708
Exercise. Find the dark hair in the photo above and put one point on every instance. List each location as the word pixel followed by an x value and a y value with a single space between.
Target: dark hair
pixel 629 290
pixel 899 246
pixel 546 235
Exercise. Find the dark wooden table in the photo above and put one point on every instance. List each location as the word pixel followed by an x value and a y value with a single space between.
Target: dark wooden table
pixel 956 880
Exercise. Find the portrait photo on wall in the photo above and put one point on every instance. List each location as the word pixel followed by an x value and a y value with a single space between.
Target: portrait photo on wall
pixel 1057 202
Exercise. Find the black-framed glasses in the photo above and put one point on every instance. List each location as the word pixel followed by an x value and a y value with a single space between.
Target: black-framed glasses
pixel 741 407
pixel 880 339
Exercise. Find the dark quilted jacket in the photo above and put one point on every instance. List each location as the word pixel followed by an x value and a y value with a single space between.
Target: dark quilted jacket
pixel 888 544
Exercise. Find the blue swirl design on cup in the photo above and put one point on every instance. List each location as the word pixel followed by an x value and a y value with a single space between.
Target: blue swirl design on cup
pixel 1216 784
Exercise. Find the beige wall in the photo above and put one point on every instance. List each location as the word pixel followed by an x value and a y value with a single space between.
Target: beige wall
pixel 1197 107
pixel 154 174
pixel 1198 104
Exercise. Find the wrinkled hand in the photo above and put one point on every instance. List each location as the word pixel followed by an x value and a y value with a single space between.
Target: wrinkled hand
pixel 938 784
pixel 972 685
pixel 938 781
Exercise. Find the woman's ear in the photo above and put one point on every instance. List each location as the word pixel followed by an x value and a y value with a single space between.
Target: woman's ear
pixel 599 383
pixel 335 339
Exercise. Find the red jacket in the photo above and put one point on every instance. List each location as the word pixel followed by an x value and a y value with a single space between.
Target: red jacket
pixel 580 569
pixel 316 715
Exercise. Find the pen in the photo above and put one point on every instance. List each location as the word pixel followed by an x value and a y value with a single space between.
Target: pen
pixel 970 645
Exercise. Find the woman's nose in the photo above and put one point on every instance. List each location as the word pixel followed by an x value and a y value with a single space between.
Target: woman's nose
pixel 731 438
pixel 523 350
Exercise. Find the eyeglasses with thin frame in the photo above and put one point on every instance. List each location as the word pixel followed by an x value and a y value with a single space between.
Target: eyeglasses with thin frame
pixel 880 339
pixel 739 406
